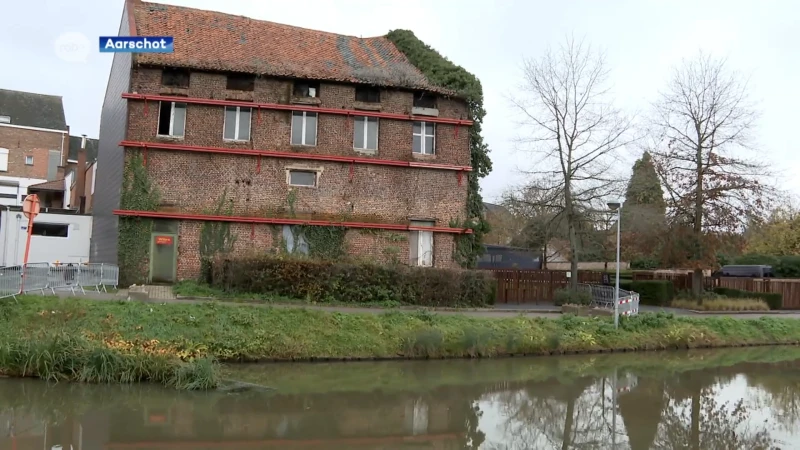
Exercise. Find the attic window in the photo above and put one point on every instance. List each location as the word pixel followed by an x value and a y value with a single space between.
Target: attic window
pixel 241 82
pixel 424 100
pixel 306 89
pixel 368 94
pixel 5 119
pixel 175 78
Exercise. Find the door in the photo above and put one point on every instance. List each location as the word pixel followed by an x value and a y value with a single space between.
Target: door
pixel 163 258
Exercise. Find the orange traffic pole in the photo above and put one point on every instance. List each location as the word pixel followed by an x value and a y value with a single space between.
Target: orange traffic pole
pixel 31 208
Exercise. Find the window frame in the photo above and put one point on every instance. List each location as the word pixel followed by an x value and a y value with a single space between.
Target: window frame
pixel 171 119
pixel 303 128
pixel 422 135
pixel 28 158
pixel 175 72
pixel 415 241
pixel 367 90
pixel 5 119
pixel 309 85
pixel 366 120
pixel 4 155
pixel 50 224
pixel 236 137
pixel 419 96
pixel 312 171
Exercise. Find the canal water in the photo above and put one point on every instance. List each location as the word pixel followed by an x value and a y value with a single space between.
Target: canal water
pixel 722 399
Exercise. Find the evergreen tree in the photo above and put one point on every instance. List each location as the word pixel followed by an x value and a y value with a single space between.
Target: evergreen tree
pixel 644 212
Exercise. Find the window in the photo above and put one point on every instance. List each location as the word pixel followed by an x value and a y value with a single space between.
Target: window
pixel 241 82
pixel 368 94
pixel 424 100
pixel 306 89
pixel 306 178
pixel 28 160
pixel 304 128
pixel 50 229
pixel 366 133
pixel 237 123
pixel 171 119
pixel 5 119
pixel 424 138
pixel 421 245
pixel 294 240
pixel 175 78
pixel 3 160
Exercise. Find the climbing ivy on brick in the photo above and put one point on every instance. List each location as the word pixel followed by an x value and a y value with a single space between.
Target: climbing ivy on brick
pixel 138 194
pixel 216 238
pixel 443 73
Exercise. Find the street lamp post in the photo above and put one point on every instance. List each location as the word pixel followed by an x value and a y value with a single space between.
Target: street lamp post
pixel 617 206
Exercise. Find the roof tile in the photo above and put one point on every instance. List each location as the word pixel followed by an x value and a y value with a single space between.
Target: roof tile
pixel 216 41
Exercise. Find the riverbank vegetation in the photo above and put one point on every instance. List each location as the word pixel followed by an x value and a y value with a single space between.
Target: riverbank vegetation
pixel 177 344
pixel 722 304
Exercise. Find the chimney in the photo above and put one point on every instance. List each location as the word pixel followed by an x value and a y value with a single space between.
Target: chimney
pixel 80 177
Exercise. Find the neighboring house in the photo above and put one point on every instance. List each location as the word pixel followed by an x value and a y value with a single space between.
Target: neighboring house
pixel 33 143
pixel 278 125
pixel 504 225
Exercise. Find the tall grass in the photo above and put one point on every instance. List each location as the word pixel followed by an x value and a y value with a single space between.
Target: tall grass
pixel 722 304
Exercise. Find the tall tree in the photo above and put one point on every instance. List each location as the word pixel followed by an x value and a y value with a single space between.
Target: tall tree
pixel 644 212
pixel 704 122
pixel 576 133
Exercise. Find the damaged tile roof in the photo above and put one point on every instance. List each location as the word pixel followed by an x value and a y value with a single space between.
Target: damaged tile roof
pixel 216 41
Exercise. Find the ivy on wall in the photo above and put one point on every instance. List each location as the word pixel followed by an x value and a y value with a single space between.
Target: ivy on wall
pixel 444 73
pixel 323 242
pixel 216 238
pixel 133 247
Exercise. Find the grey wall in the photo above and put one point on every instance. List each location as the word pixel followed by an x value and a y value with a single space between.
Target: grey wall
pixel 110 157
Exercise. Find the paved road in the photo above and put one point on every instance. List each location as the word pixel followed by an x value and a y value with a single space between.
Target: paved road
pixel 529 310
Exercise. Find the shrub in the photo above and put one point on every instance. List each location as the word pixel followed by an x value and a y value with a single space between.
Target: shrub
pixel 722 304
pixel 326 281
pixel 568 297
pixel 644 264
pixel 775 301
pixel 654 292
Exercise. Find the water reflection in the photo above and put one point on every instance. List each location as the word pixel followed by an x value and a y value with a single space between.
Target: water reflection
pixel 744 398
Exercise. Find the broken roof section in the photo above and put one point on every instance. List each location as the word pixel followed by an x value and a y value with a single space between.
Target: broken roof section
pixel 216 41
pixel 28 109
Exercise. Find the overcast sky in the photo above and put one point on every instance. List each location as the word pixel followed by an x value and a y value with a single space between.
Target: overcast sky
pixel 642 40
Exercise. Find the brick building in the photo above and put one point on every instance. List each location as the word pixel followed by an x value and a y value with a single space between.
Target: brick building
pixel 37 154
pixel 268 127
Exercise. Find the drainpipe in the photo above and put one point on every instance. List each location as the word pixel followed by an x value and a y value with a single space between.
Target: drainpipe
pixel 80 177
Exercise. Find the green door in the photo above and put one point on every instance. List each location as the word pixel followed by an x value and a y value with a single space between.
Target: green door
pixel 163 258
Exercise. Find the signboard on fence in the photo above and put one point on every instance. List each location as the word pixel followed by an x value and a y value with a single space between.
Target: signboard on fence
pixel 163 240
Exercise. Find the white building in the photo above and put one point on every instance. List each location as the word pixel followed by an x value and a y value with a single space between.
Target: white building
pixel 56 237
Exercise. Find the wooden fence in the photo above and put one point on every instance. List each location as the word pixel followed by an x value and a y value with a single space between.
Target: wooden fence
pixel 535 286
pixel 789 288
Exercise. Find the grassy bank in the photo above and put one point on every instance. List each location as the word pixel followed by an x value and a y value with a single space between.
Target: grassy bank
pixel 172 343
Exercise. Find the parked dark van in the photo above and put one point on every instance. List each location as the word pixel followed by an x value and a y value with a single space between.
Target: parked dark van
pixel 754 271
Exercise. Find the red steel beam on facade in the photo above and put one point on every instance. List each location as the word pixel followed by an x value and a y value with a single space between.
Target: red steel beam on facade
pixel 295 107
pixel 282 221
pixel 290 155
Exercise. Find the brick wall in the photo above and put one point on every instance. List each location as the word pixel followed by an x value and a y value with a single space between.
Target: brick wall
pixel 21 143
pixel 195 182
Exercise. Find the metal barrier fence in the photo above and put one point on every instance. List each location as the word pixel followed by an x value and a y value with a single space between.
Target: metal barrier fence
pixel 603 297
pixel 16 280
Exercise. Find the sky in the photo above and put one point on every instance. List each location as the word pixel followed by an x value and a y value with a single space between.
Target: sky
pixel 642 41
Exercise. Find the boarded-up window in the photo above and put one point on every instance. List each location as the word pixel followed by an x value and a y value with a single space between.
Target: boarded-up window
pixel 53 161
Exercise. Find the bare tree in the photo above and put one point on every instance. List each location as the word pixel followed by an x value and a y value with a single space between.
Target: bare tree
pixel 702 124
pixel 576 133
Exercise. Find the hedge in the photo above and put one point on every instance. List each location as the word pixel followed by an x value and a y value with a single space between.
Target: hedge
pixel 774 301
pixel 326 281
pixel 654 292
pixel 783 266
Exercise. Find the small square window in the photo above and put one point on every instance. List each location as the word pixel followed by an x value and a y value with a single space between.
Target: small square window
pixel 306 89
pixel 28 160
pixel 368 94
pixel 175 78
pixel 424 138
pixel 5 119
pixel 424 100
pixel 305 178
pixel 241 82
